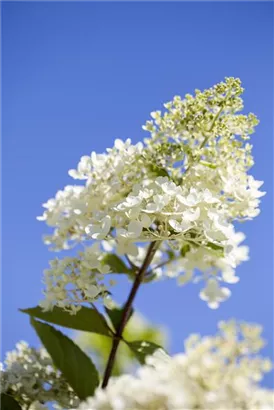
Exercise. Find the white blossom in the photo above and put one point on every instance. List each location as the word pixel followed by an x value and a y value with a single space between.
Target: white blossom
pixel 219 372
pixel 71 281
pixel 186 185
pixel 213 294
pixel 31 378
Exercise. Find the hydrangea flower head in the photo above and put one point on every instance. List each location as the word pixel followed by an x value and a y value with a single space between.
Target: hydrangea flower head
pixel 217 372
pixel 184 187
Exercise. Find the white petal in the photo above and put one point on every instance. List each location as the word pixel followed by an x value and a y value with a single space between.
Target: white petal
pixel 191 214
pixel 119 144
pixel 135 229
pixel 179 226
pixel 146 221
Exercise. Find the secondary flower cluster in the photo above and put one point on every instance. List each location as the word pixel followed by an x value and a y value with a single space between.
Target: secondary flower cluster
pixel 72 281
pixel 29 376
pixel 183 187
pixel 211 263
pixel 221 372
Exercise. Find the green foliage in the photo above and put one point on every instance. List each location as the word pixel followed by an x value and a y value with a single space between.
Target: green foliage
pixel 116 264
pixel 184 250
pixel 116 314
pixel 149 278
pixel 215 247
pixel 86 319
pixel 158 171
pixel 99 346
pixel 171 254
pixel 74 364
pixel 9 403
pixel 143 348
pixel 208 164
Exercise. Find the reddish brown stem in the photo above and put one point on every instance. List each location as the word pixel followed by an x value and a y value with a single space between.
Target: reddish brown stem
pixel 118 336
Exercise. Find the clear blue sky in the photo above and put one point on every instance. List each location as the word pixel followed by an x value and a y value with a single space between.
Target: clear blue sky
pixel 78 75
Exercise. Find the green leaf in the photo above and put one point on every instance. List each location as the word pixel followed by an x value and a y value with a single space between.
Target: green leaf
pixel 74 364
pixel 149 278
pixel 9 403
pixel 171 254
pixel 208 164
pixel 116 314
pixel 86 319
pixel 184 250
pixel 116 264
pixel 158 171
pixel 142 348
pixel 215 247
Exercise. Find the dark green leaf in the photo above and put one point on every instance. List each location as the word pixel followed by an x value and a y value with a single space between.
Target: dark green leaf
pixel 74 364
pixel 158 171
pixel 116 314
pixel 184 250
pixel 9 403
pixel 86 319
pixel 142 348
pixel 116 264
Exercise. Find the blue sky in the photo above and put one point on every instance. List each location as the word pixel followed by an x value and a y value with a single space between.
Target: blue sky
pixel 78 75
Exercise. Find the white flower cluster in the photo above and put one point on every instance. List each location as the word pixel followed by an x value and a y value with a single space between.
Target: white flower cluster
pixel 184 187
pixel 81 212
pixel 71 281
pixel 29 376
pixel 208 262
pixel 221 372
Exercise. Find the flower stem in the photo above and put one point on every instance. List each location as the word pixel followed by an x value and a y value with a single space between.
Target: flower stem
pixel 136 284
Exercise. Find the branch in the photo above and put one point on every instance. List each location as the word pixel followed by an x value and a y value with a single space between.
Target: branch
pixel 132 265
pixel 136 284
pixel 164 263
